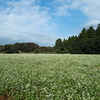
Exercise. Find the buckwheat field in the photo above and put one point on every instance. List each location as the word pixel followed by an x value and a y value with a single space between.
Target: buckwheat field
pixel 49 77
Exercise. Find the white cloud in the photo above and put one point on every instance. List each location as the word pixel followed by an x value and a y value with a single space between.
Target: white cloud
pixel 27 21
pixel 75 4
pixel 62 10
pixel 61 7
pixel 61 1
pixel 21 2
pixel 91 8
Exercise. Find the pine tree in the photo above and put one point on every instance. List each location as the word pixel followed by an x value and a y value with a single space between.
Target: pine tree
pixel 91 32
pixel 83 33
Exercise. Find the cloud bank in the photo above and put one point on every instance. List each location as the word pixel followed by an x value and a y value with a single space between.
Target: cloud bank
pixel 26 21
pixel 29 21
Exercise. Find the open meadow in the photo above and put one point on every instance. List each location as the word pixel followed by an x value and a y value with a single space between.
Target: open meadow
pixel 49 77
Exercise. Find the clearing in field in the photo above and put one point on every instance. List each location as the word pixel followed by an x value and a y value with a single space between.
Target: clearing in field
pixel 49 77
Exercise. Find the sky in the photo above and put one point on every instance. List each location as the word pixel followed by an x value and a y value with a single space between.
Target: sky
pixel 44 21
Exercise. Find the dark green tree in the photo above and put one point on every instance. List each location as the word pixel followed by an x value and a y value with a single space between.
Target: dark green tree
pixel 98 30
pixel 97 40
pixel 80 43
pixel 7 48
pixel 97 45
pixel 1 48
pixel 89 46
pixel 91 32
pixel 59 46
pixel 83 33
pixel 68 44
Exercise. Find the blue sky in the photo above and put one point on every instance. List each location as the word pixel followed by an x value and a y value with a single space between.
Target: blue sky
pixel 44 21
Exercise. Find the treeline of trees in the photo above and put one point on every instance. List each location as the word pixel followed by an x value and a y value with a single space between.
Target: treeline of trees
pixel 87 42
pixel 25 47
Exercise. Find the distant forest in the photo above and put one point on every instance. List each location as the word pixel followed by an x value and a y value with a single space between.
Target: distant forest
pixel 25 48
pixel 87 42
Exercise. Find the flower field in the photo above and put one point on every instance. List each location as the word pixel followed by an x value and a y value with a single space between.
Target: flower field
pixel 49 77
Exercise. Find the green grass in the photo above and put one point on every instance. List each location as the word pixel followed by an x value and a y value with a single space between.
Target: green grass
pixel 50 76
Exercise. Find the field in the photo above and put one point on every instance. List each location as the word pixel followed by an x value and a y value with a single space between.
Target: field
pixel 49 77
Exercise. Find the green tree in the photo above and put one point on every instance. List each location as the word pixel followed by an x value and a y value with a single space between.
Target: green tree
pixel 7 48
pixel 59 46
pixel 97 45
pixel 69 43
pixel 98 30
pixel 97 40
pixel 91 32
pixel 83 33
pixel 1 47
pixel 80 43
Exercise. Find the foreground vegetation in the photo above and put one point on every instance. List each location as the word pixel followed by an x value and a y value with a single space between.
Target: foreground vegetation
pixel 49 77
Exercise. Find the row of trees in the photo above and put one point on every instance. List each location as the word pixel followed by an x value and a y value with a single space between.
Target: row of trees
pixel 87 42
pixel 25 47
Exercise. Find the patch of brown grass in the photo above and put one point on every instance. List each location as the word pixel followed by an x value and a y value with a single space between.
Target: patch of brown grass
pixel 6 98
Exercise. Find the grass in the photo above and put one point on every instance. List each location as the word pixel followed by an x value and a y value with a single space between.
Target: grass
pixel 49 77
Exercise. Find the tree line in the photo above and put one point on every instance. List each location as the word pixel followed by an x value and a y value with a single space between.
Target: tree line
pixel 87 42
pixel 25 48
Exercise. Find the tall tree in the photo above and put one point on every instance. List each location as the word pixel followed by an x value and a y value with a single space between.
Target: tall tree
pixel 80 42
